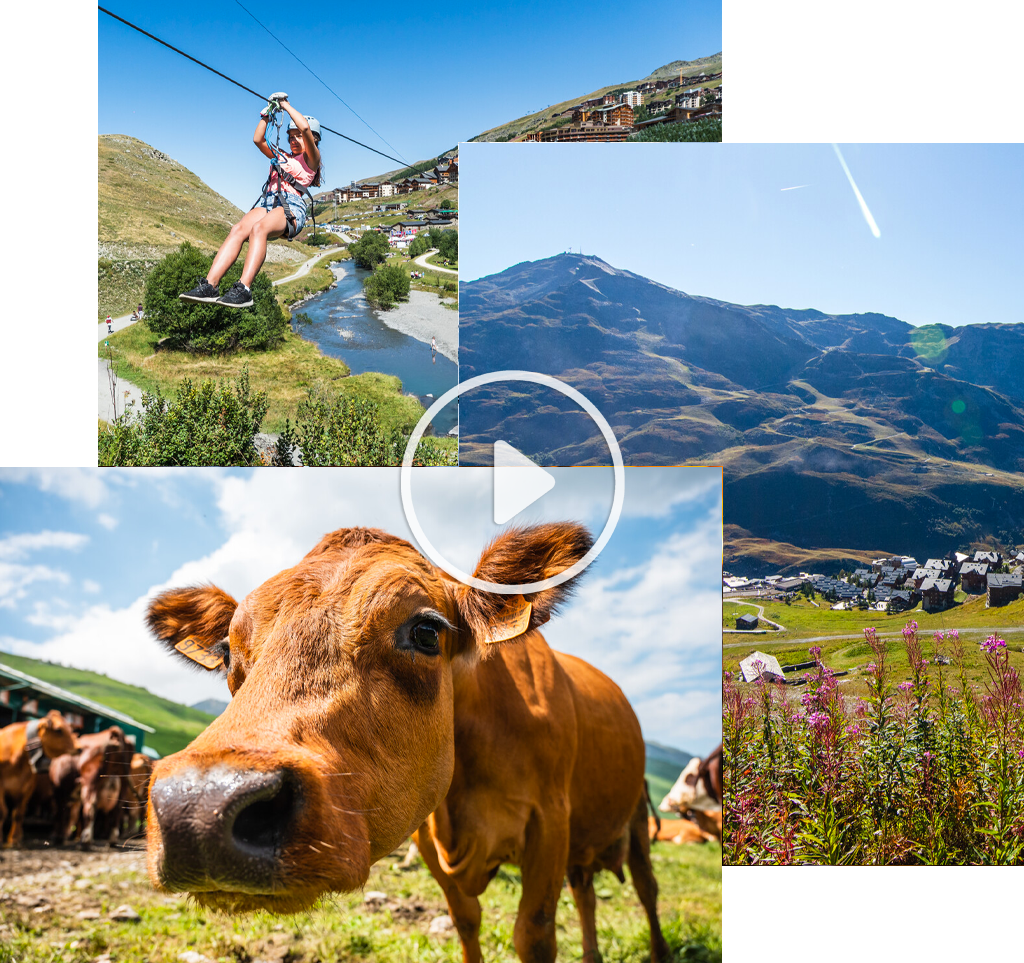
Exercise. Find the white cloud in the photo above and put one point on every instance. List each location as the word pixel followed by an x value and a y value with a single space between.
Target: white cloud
pixel 15 580
pixel 83 485
pixel 107 521
pixel 15 547
pixel 88 585
pixel 53 615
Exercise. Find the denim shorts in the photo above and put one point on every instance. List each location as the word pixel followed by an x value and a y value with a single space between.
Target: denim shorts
pixel 296 205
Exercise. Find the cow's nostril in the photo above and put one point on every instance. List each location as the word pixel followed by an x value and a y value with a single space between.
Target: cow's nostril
pixel 263 824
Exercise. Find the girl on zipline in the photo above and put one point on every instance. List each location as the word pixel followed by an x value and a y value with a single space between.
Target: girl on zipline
pixel 280 211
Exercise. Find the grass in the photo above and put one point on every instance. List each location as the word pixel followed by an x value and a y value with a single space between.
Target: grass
pixel 803 620
pixel 176 725
pixel 345 928
pixel 925 767
pixel 285 374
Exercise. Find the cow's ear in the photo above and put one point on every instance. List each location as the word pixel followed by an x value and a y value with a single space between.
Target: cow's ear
pixel 193 623
pixel 516 557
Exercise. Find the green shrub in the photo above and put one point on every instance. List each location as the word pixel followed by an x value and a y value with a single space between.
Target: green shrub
pixel 336 430
pixel 322 239
pixel 204 425
pixel 339 430
pixel 209 327
pixel 386 286
pixel 420 245
pixel 708 129
pixel 370 250
pixel 448 245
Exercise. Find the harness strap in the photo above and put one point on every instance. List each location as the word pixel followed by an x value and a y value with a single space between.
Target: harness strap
pixel 34 748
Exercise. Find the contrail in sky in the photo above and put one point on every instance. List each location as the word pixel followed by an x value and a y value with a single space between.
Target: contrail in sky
pixel 860 198
pixel 798 186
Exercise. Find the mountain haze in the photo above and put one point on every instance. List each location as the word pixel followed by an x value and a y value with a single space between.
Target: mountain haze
pixel 853 430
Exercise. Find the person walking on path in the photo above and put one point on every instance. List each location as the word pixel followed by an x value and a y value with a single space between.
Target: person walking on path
pixel 110 322
pixel 433 349
pixel 280 211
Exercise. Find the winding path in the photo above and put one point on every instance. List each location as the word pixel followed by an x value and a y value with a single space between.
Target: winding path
pixel 422 262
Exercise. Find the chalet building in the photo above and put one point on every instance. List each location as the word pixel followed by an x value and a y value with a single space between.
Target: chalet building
pixel 612 115
pixel 993 558
pixel 901 601
pixel 974 577
pixel 447 173
pixel 1003 589
pixel 920 574
pixel 632 97
pixel 943 565
pixel 581 133
pixel 387 189
pixel 789 584
pixel 746 622
pixel 937 594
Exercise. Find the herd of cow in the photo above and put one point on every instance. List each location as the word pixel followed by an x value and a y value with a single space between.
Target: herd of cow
pixel 374 698
pixel 87 787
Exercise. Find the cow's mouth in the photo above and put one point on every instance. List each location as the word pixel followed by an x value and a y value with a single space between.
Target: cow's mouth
pixel 226 901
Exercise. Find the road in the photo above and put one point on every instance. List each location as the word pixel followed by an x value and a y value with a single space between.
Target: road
pixel 422 262
pixel 125 388
pixel 761 617
pixel 986 629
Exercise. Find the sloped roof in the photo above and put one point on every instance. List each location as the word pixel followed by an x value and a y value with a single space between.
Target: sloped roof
pixel 63 695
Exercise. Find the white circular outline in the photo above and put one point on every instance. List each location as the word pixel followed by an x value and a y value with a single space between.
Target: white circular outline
pixel 424 543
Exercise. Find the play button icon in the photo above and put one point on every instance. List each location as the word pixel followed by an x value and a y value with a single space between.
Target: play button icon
pixel 518 482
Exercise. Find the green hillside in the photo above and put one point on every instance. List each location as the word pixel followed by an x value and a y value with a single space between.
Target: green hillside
pixel 148 205
pixel 513 129
pixel 176 725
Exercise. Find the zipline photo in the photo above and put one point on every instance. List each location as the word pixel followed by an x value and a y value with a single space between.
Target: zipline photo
pixel 261 336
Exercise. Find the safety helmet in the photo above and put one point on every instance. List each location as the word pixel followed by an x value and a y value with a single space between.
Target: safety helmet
pixel 314 125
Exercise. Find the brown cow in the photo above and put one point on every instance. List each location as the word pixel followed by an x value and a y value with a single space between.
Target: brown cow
pixel 22 744
pixel 367 698
pixel 135 794
pixel 102 764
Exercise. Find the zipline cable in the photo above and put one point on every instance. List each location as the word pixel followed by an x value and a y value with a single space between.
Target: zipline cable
pixel 249 90
pixel 314 73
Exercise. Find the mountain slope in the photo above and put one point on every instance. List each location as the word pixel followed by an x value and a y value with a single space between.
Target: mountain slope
pixel 148 205
pixel 176 725
pixel 852 430
pixel 544 118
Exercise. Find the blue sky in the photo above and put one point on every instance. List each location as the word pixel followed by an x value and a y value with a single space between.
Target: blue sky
pixel 425 77
pixel 766 224
pixel 81 552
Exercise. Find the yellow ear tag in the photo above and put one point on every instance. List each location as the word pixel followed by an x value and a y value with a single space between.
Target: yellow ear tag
pixel 194 651
pixel 513 622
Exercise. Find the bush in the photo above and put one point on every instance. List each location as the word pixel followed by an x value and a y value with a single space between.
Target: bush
pixel 322 239
pixel 448 245
pixel 205 425
pixel 420 245
pixel 341 431
pixel 338 430
pixel 370 250
pixel 708 129
pixel 386 286
pixel 209 327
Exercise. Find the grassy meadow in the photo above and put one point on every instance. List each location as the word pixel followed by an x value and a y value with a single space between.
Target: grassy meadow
pixel 72 924
pixel 915 757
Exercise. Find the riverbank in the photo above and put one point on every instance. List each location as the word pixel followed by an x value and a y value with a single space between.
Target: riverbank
pixel 422 317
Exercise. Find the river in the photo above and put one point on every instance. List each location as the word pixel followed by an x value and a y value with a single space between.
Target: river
pixel 345 326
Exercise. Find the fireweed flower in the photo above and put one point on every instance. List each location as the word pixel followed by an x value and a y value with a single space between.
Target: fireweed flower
pixel 993 644
pixel 816 653
pixel 817 720
pixel 905 686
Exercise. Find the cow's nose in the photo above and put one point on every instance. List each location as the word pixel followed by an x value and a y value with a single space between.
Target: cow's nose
pixel 223 827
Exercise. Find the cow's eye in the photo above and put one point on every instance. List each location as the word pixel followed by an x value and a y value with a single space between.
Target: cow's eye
pixel 425 637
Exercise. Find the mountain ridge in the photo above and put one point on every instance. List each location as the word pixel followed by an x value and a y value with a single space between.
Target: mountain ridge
pixel 827 409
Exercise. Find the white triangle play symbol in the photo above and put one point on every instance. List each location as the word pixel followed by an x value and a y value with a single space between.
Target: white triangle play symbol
pixel 518 482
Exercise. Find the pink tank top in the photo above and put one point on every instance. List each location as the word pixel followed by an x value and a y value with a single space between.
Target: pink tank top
pixel 297 167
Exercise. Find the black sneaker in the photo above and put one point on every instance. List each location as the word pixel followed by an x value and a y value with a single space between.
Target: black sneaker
pixel 238 297
pixel 202 293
